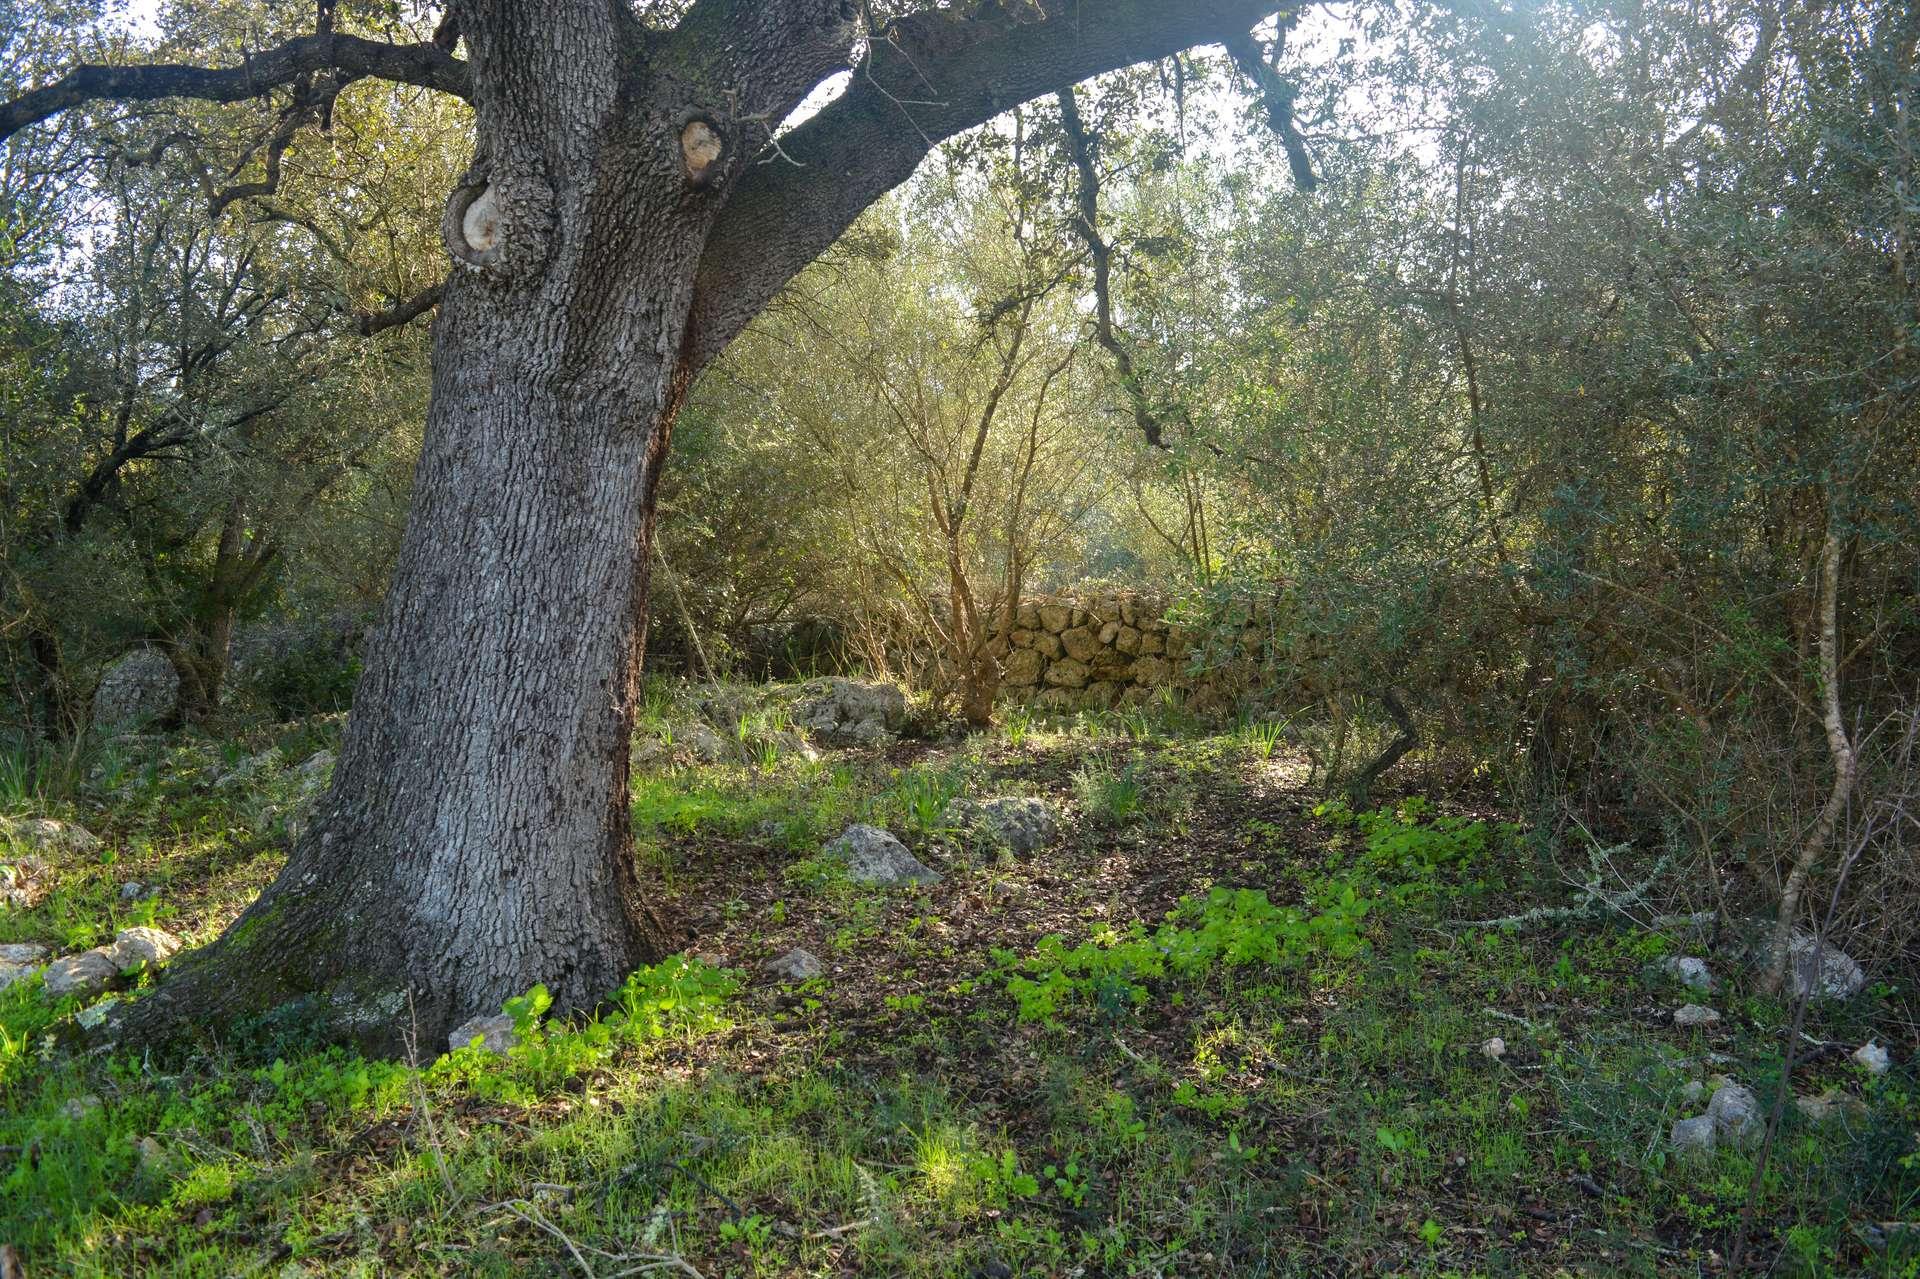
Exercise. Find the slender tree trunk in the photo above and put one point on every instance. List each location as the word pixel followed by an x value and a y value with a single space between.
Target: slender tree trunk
pixel 55 709
pixel 1840 754
pixel 200 658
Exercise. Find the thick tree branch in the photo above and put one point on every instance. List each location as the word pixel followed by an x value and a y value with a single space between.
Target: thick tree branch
pixel 927 77
pixel 421 64
pixel 768 53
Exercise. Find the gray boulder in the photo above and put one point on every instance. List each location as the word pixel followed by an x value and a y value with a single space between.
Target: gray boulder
pixel 1834 976
pixel 875 857
pixel 87 973
pixel 495 1033
pixel 1735 1112
pixel 1693 1136
pixel 796 965
pixel 1690 1015
pixel 846 712
pixel 137 690
pixel 1015 822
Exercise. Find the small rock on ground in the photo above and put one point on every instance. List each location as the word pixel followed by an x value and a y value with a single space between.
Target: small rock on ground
pixel 1835 976
pixel 1735 1112
pixel 23 882
pixel 1872 1058
pixel 796 965
pixel 133 947
pixel 1693 1136
pixel 845 712
pixel 49 836
pixel 1022 824
pixel 1690 971
pixel 875 857
pixel 495 1033
pixel 86 973
pixel 1827 1105
pixel 315 770
pixel 1689 1015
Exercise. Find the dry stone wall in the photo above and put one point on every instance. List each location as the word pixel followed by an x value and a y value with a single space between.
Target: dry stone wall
pixel 1119 650
pixel 1066 654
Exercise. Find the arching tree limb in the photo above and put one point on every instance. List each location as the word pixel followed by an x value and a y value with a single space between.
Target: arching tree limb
pixel 927 76
pixel 421 64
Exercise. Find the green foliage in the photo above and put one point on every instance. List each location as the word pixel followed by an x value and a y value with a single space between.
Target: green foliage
pixel 1411 851
pixel 1261 737
pixel 918 800
pixel 317 677
pixel 676 998
pixel 1226 929
pixel 1111 797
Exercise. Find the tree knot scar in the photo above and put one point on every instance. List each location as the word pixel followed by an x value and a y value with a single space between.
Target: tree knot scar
pixel 480 224
pixel 500 224
pixel 701 148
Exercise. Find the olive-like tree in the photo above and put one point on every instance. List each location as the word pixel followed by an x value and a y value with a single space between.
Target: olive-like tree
pixel 637 194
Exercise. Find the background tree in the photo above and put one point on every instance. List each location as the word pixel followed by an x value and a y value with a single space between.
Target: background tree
pixel 944 412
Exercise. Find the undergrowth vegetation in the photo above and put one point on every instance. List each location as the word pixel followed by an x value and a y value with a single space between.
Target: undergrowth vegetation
pixel 1223 1025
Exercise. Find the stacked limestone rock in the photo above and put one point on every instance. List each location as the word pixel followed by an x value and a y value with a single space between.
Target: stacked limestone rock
pixel 1090 653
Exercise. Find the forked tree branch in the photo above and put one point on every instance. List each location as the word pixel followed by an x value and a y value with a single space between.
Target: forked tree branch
pixel 1276 97
pixel 421 64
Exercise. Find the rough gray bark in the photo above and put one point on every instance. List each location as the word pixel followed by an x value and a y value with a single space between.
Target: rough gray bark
pixel 614 234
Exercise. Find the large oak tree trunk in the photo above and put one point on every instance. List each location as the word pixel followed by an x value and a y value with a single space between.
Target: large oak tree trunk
pixel 476 834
